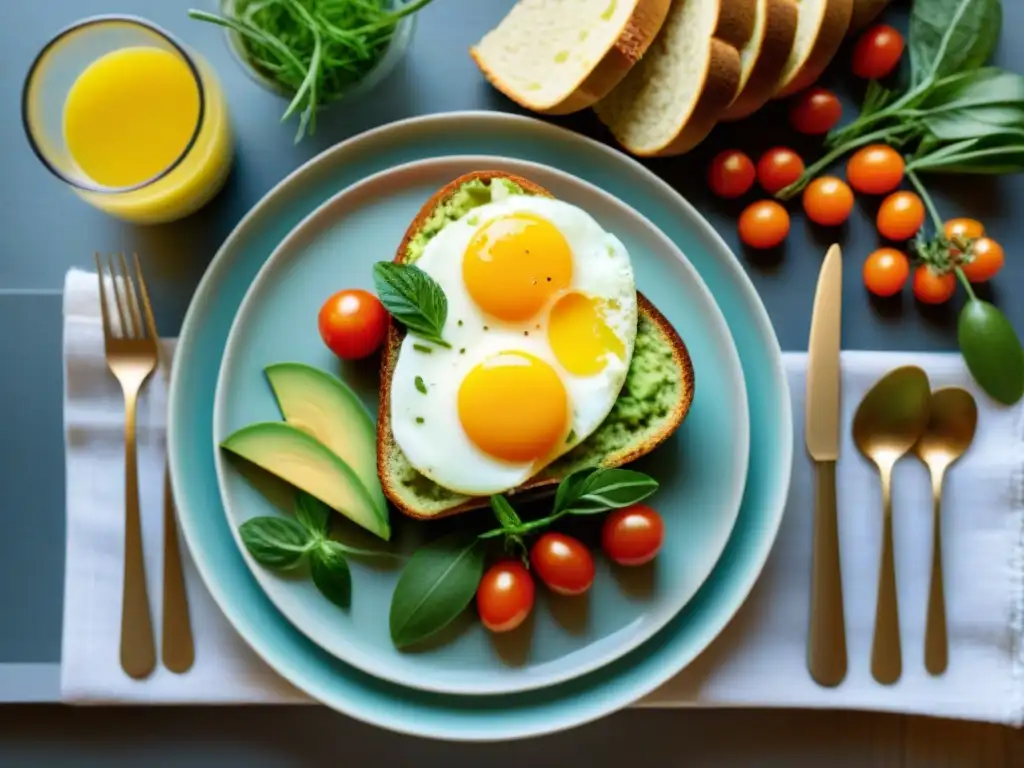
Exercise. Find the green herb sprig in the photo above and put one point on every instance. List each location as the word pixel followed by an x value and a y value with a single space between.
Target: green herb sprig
pixel 316 50
pixel 414 299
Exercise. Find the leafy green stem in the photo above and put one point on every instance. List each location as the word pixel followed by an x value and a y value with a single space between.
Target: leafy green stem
pixel 929 204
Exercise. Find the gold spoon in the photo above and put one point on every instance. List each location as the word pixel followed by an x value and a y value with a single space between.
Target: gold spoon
pixel 889 420
pixel 954 416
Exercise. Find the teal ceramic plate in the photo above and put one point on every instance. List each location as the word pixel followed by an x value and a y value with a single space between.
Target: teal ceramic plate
pixel 701 468
pixel 191 447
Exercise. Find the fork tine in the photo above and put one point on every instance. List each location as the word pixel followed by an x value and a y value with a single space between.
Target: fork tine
pixel 119 289
pixel 150 322
pixel 139 330
pixel 103 295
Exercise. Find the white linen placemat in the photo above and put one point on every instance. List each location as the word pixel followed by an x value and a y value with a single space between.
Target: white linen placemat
pixel 759 660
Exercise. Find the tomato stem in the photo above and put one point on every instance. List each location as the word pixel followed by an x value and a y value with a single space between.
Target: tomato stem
pixel 927 199
pixel 965 283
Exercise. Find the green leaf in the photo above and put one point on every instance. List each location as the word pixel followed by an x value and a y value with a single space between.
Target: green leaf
pixel 568 489
pixel 992 350
pixel 276 542
pixel 413 298
pixel 436 585
pixel 329 569
pixel 504 512
pixel 313 514
pixel 974 88
pixel 978 122
pixel 951 36
pixel 996 154
pixel 608 489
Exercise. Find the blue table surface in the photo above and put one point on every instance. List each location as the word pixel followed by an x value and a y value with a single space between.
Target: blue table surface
pixel 46 229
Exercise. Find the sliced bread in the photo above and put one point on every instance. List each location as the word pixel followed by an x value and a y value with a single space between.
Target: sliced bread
pixel 561 56
pixel 670 101
pixel 663 382
pixel 765 56
pixel 821 27
pixel 864 12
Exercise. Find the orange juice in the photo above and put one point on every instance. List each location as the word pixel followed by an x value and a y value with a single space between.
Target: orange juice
pixel 130 115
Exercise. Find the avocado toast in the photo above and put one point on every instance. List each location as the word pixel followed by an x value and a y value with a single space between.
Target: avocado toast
pixel 650 407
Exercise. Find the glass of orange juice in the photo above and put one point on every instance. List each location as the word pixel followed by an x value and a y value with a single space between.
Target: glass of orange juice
pixel 130 118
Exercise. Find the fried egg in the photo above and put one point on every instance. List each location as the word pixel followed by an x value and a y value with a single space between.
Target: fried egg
pixel 541 320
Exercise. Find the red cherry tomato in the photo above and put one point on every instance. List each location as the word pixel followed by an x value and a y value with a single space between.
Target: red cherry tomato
pixel 932 288
pixel 966 228
pixel 731 174
pixel 987 259
pixel 900 215
pixel 778 168
pixel 815 111
pixel 505 596
pixel 875 170
pixel 886 272
pixel 877 52
pixel 828 201
pixel 563 563
pixel 764 224
pixel 353 323
pixel 633 535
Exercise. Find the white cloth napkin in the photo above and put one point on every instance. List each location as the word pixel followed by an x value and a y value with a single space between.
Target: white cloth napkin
pixel 758 661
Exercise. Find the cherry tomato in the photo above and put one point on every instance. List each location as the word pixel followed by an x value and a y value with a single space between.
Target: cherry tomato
pixel 931 287
pixel 563 563
pixel 632 535
pixel 731 174
pixel 900 215
pixel 778 168
pixel 875 170
pixel 764 224
pixel 877 52
pixel 966 228
pixel 505 596
pixel 353 323
pixel 886 271
pixel 986 260
pixel 828 201
pixel 815 111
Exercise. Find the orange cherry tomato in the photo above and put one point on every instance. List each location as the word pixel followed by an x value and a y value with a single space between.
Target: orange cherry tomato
pixel 965 228
pixel 828 201
pixel 986 260
pixel 764 224
pixel 815 111
pixel 877 52
pixel 353 323
pixel 731 174
pixel 632 535
pixel 778 168
pixel 900 215
pixel 563 563
pixel 505 596
pixel 886 271
pixel 875 170
pixel 930 287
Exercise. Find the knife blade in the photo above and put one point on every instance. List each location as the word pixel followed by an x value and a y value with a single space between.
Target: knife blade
pixel 826 647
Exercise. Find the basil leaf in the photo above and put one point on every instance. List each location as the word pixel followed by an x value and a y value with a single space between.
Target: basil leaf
pixel 568 489
pixel 978 122
pixel 610 489
pixel 329 569
pixel 992 350
pixel 996 154
pixel 313 514
pixel 276 542
pixel 413 298
pixel 974 88
pixel 951 36
pixel 436 585
pixel 504 512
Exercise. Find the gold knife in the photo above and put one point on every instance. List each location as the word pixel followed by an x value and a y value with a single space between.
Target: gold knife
pixel 826 643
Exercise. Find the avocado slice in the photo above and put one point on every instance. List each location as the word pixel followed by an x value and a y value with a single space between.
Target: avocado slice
pixel 325 407
pixel 298 458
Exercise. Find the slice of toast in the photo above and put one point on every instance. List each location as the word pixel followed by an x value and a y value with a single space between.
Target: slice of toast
pixel 821 28
pixel 765 57
pixel 649 409
pixel 561 57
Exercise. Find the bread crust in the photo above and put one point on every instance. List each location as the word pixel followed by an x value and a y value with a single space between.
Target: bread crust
pixel 393 342
pixel 864 12
pixel 835 22
pixel 736 21
pixel 776 44
pixel 636 35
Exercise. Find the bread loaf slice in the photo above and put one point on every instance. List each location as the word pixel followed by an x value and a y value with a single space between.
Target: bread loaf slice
pixel 561 56
pixel 627 433
pixel 670 101
pixel 864 12
pixel 764 58
pixel 821 27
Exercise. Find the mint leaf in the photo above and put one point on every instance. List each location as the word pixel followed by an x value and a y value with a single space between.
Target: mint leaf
pixel 329 569
pixel 413 298
pixel 313 514
pixel 276 542
pixel 504 512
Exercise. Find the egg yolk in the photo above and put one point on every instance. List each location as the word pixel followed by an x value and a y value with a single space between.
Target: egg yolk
pixel 514 264
pixel 514 407
pixel 579 336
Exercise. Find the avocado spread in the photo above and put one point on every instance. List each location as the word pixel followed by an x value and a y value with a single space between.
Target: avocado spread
pixel 651 390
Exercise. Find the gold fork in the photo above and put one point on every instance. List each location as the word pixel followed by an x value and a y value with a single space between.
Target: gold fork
pixel 132 350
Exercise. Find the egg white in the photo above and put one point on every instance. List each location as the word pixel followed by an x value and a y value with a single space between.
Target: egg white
pixel 427 426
